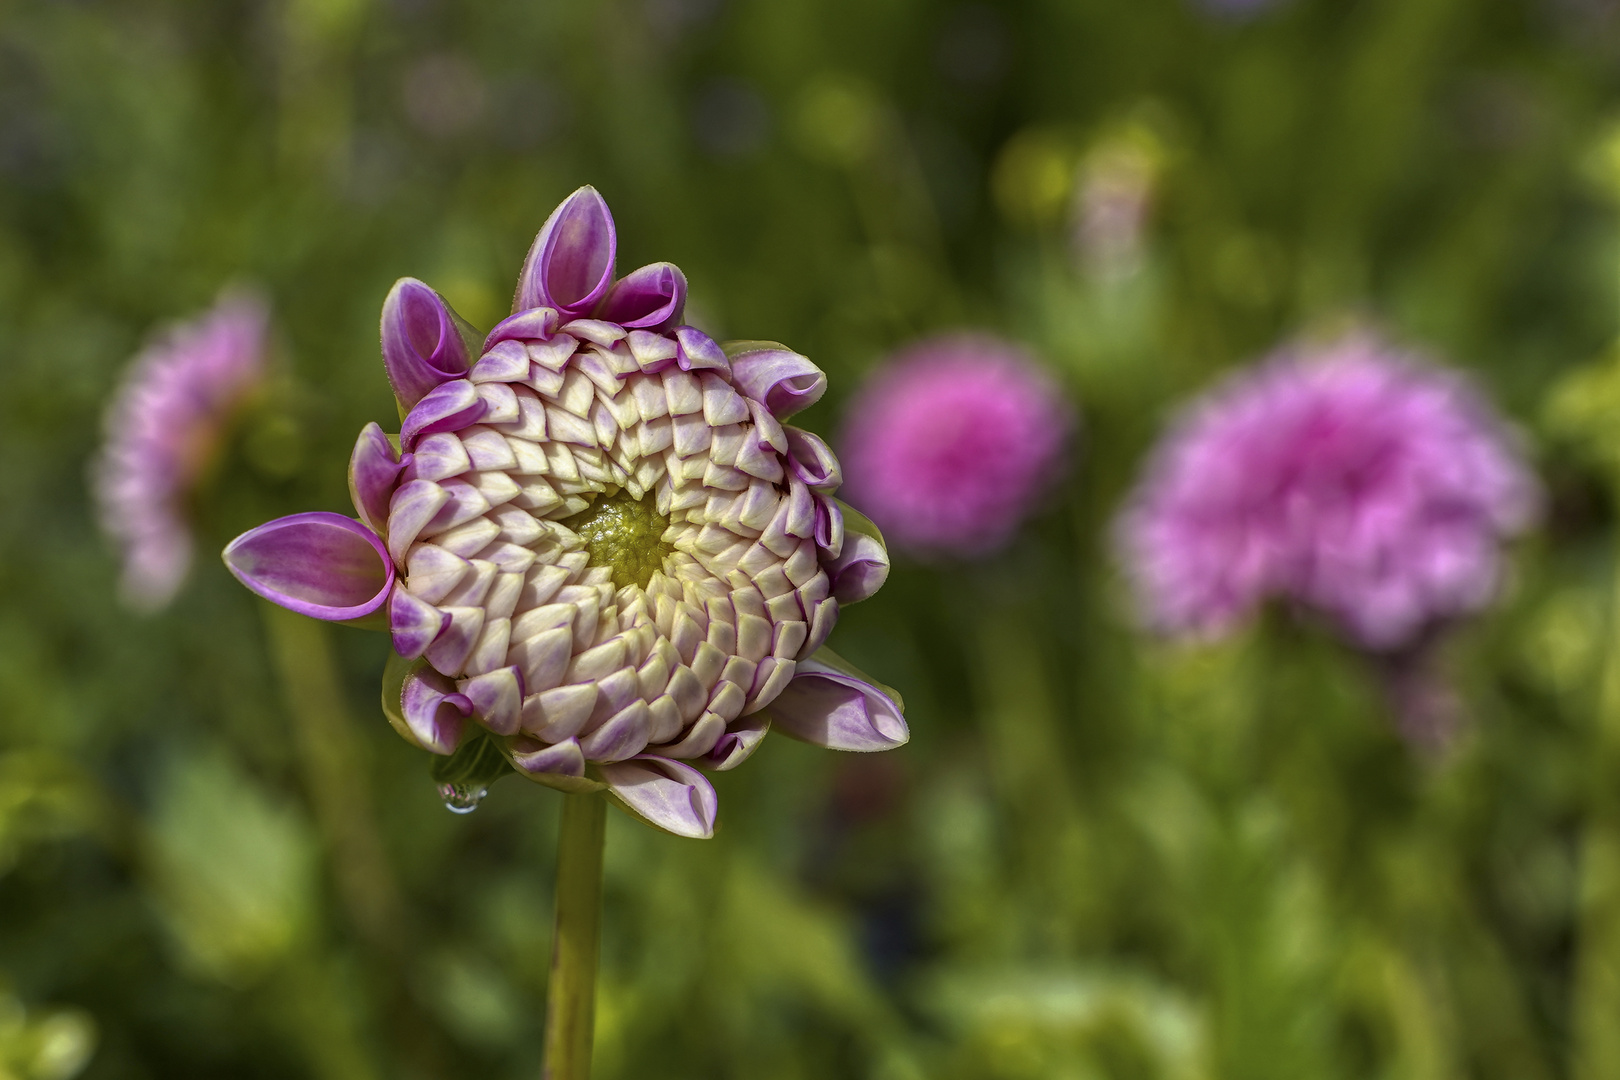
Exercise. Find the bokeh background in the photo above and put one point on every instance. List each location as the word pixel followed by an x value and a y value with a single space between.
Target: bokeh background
pixel 1101 856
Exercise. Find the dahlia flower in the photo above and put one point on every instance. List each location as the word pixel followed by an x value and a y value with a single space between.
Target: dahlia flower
pixel 951 444
pixel 1352 479
pixel 604 559
pixel 163 427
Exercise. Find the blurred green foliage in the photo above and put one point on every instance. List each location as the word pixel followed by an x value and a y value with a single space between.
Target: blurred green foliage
pixel 1100 857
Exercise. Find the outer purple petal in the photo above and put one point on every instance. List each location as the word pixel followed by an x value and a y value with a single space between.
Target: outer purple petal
pixel 650 298
pixel 673 796
pixel 862 564
pixel 738 744
pixel 812 460
pixel 447 407
pixel 373 470
pixel 831 704
pixel 829 528
pixel 782 380
pixel 570 264
pixel 433 711
pixel 415 623
pixel 421 345
pixel 319 564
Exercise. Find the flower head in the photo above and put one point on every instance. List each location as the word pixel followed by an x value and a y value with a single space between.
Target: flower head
pixel 950 445
pixel 595 541
pixel 1351 479
pixel 163 427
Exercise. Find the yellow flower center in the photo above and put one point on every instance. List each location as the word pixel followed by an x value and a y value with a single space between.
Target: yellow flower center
pixel 625 534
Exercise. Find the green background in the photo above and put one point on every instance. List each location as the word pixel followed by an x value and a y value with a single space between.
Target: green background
pixel 1100 856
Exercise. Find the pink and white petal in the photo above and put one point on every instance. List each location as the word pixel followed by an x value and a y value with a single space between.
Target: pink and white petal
pixel 812 460
pixel 775 376
pixel 319 564
pixel 570 265
pixel 831 703
pixel 434 714
pixel 497 699
pixel 373 471
pixel 668 794
pixel 862 566
pixel 739 743
pixel 414 623
pixel 421 344
pixel 651 298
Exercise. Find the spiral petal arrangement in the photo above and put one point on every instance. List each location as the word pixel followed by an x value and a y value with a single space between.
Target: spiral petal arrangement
pixel 596 541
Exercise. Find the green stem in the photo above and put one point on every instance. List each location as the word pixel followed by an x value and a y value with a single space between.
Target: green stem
pixel 571 995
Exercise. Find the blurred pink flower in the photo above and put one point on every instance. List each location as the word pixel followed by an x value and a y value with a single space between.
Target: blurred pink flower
pixel 162 427
pixel 950 445
pixel 1352 479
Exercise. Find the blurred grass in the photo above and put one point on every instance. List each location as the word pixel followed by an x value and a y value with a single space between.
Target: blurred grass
pixel 1098 857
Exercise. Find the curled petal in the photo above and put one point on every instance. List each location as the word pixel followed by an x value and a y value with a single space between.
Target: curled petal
pixel 831 703
pixel 570 264
pixel 530 324
pixel 650 298
pixel 812 461
pixel 776 376
pixel 422 706
pixel 739 743
pixel 829 528
pixel 422 344
pixel 319 564
pixel 373 469
pixel 414 622
pixel 671 795
pixel 862 566
pixel 450 406
pixel 433 711
pixel 698 350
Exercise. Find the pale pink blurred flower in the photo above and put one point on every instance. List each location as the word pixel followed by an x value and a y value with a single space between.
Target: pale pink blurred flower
pixel 1351 479
pixel 950 446
pixel 162 428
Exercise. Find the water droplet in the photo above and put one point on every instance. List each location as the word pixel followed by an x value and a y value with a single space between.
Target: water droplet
pixel 460 799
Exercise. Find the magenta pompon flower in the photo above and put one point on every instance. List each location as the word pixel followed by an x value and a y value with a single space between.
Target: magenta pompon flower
pixel 597 546
pixel 162 429
pixel 951 444
pixel 1351 479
